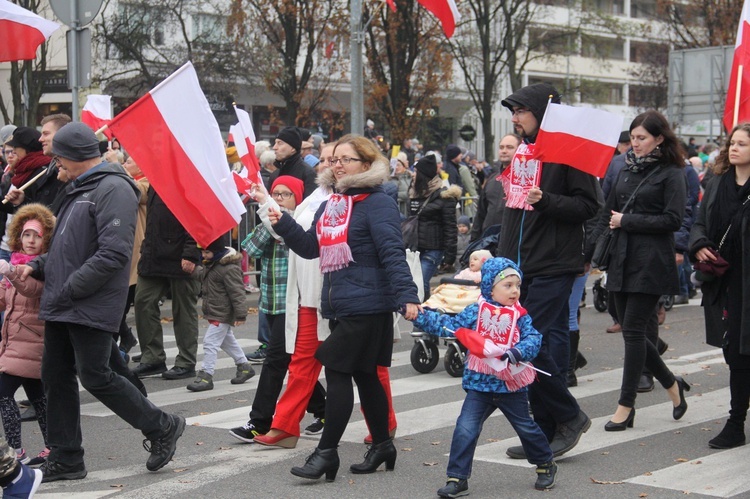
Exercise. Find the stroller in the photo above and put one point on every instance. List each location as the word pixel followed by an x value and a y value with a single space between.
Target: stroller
pixel 450 297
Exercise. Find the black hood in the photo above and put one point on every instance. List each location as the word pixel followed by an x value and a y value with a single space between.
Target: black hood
pixel 534 98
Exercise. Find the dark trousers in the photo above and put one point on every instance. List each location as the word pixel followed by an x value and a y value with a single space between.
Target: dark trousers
pixel 271 380
pixel 635 311
pixel 546 300
pixel 73 349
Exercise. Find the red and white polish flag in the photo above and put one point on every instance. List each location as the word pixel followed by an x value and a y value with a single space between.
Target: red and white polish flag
pixel 173 136
pixel 737 107
pixel 244 140
pixel 97 113
pixel 582 137
pixel 446 11
pixel 23 32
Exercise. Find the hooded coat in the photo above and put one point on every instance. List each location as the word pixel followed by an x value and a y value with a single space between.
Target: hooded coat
pixel 379 279
pixel 223 293
pixel 438 324
pixel 437 220
pixel 549 240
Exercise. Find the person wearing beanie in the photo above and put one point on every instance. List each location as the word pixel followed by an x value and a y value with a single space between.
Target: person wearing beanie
pixel 543 228
pixel 86 273
pixel 28 160
pixel 435 206
pixel 224 307
pixel 450 165
pixel 464 235
pixel 289 160
pixel 501 343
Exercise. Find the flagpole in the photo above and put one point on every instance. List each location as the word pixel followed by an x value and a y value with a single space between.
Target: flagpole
pixel 24 186
pixel 737 92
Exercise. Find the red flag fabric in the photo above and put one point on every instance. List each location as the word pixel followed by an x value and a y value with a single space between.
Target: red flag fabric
pixel 23 32
pixel 446 12
pixel 391 4
pixel 97 112
pixel 173 136
pixel 244 140
pixel 581 137
pixel 737 107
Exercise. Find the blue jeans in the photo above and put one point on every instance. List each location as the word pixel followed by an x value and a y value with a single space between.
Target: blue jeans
pixel 477 407
pixel 430 260
pixel 579 285
pixel 70 350
pixel 264 330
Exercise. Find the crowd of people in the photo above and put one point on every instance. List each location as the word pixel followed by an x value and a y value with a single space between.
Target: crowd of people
pixel 332 271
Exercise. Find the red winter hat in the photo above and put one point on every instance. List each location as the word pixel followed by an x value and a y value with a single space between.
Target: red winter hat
pixel 293 184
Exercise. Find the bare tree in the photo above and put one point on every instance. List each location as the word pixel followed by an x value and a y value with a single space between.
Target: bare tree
pixel 701 23
pixel 408 65
pixel 287 50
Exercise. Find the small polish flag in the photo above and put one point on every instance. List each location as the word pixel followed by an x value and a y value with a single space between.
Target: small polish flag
pixel 737 107
pixel 244 140
pixel 582 137
pixel 23 32
pixel 173 136
pixel 446 11
pixel 97 112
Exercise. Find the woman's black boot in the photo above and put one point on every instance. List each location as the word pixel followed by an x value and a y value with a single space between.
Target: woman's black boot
pixel 733 435
pixel 384 452
pixel 321 461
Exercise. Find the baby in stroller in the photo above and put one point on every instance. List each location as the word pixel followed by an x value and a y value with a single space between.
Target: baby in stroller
pixel 453 296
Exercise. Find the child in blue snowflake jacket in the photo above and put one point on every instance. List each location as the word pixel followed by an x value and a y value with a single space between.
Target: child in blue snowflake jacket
pixel 501 341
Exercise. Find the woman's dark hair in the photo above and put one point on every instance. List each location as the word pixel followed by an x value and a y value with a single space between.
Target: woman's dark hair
pixel 656 124
pixel 722 160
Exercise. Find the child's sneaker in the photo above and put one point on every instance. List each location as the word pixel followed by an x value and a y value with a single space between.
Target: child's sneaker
pixel 39 459
pixel 203 382
pixel 24 485
pixel 258 356
pixel 316 427
pixel 244 372
pixel 545 476
pixel 454 488
pixel 21 456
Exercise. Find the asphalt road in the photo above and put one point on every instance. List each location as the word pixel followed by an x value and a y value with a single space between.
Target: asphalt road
pixel 659 458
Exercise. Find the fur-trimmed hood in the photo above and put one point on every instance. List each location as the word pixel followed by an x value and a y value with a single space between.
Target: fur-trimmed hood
pixel 452 191
pixel 232 256
pixel 378 173
pixel 24 214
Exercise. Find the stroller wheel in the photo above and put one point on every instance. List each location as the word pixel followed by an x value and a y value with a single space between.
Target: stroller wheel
pixel 424 361
pixel 454 361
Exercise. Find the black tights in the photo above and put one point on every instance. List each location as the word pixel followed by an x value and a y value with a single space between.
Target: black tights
pixel 340 402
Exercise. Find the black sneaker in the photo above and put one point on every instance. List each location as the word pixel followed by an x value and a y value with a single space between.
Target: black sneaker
pixel 163 448
pixel 179 373
pixel 145 370
pixel 258 356
pixel 53 471
pixel 246 432
pixel 454 488
pixel 545 476
pixel 316 427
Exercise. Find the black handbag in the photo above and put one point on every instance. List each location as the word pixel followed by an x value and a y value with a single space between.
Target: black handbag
pixel 606 242
pixel 410 228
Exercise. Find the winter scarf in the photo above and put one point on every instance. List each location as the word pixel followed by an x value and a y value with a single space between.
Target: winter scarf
pixel 333 231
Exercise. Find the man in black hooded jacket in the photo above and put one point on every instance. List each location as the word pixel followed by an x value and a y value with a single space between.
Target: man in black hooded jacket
pixel 547 242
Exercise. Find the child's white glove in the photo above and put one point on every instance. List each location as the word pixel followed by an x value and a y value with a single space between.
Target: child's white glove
pixel 4 267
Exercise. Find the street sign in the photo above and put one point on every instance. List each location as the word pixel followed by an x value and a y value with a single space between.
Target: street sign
pixel 79 74
pixel 76 13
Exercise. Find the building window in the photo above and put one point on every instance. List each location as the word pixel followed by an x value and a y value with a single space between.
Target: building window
pixel 550 41
pixel 602 48
pixel 643 9
pixel 645 52
pixel 598 92
pixel 647 96
pixel 607 7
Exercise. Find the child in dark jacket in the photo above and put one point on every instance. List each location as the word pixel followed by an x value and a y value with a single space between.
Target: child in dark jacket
pixel 498 333
pixel 223 306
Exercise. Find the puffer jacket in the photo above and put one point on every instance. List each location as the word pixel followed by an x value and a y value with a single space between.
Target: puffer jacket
pixel 23 333
pixel 223 294
pixel 437 221
pixel 529 343
pixel 379 279
pixel 165 242
pixel 87 268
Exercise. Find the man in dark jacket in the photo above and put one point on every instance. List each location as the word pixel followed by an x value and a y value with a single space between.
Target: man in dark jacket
pixel 85 278
pixel 545 234
pixel 289 161
pixel 168 258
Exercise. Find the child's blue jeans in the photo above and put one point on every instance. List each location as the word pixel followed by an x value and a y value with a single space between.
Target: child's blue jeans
pixel 477 407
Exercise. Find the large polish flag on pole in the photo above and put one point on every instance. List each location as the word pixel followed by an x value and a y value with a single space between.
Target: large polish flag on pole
pixel 97 112
pixel 23 32
pixel 173 136
pixel 446 11
pixel 737 107
pixel 582 137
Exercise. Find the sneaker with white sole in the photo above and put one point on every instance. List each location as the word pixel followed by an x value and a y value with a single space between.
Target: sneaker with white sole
pixel 258 356
pixel 246 432
pixel 24 485
pixel 316 427
pixel 21 456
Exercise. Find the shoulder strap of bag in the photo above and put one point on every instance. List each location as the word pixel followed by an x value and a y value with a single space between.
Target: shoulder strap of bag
pixel 724 237
pixel 429 198
pixel 632 196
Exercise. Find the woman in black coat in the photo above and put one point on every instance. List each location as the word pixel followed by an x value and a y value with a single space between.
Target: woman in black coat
pixel 642 265
pixel 723 226
pixel 436 206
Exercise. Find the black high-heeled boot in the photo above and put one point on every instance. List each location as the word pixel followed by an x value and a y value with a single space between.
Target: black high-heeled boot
pixel 319 462
pixel 384 452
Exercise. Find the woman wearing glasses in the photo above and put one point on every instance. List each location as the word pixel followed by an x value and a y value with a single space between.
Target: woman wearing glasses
pixel 356 235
